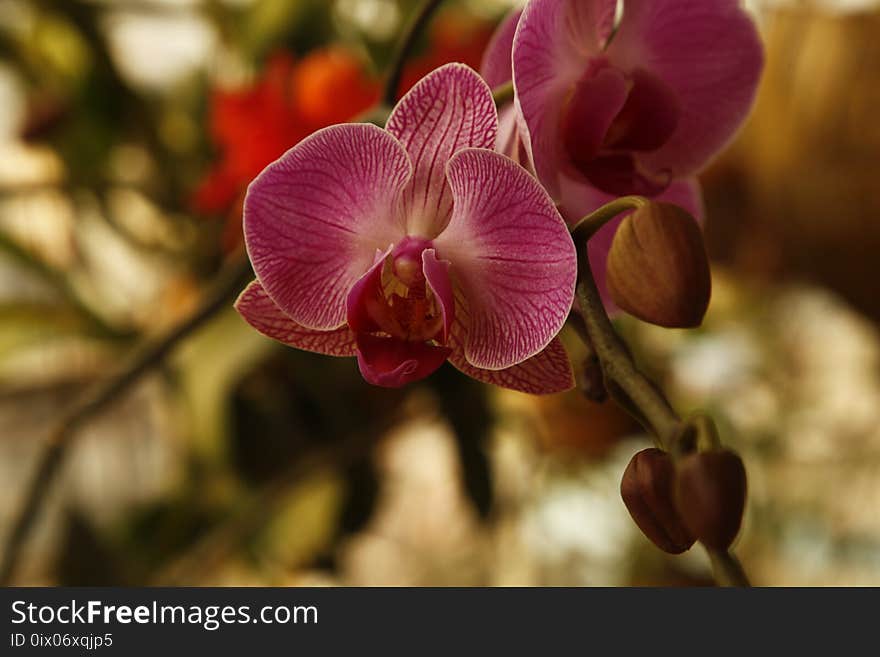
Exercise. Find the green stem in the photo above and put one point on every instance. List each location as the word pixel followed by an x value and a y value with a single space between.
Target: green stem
pixel 503 94
pixel 617 365
pixel 588 226
pixel 727 569
pixel 411 35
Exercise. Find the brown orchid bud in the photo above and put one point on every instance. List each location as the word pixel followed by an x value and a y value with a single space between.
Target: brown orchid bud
pixel 647 491
pixel 657 268
pixel 710 494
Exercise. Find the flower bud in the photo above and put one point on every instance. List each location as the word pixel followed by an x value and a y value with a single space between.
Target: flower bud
pixel 710 494
pixel 647 491
pixel 657 268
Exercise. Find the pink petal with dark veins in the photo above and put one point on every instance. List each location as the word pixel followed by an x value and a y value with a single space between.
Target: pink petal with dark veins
pixel 449 109
pixel 314 219
pixel 512 259
pixel 258 310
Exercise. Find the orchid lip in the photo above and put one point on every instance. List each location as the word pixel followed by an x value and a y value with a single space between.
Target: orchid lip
pixel 400 312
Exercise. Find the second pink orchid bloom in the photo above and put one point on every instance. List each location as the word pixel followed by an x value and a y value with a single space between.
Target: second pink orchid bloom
pixel 413 245
pixel 638 108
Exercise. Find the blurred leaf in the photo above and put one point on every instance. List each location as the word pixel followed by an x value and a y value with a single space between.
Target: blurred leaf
pixel 299 24
pixel 306 523
pixel 156 533
pixel 361 493
pixel 464 403
pixel 85 559
pixel 24 324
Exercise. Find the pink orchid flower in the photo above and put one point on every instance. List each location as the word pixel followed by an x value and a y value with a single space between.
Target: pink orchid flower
pixel 603 111
pixel 413 245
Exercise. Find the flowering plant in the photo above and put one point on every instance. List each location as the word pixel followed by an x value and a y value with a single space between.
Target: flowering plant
pixel 444 237
pixel 413 245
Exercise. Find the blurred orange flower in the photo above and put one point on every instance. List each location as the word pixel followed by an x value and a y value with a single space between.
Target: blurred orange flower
pixel 253 126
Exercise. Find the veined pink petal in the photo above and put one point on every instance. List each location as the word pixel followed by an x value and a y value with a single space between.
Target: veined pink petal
pixel 449 109
pixel 437 275
pixel 512 259
pixel 496 65
pixel 392 363
pixel 580 199
pixel 546 373
pixel 709 53
pixel 497 69
pixel 551 50
pixel 258 310
pixel 314 219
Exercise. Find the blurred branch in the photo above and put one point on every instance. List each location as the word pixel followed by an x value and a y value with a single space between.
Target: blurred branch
pixel 641 397
pixel 61 284
pixel 145 7
pixel 404 49
pixel 145 359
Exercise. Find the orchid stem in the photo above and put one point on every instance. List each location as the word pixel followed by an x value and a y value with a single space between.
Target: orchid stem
pixel 416 27
pixel 143 361
pixel 588 226
pixel 655 412
pixel 503 94
pixel 638 395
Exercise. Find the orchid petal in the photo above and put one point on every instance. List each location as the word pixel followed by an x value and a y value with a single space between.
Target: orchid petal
pixel 648 118
pixel 593 106
pixel 709 53
pixel 449 109
pixel 546 373
pixel 258 310
pixel 392 363
pixel 314 219
pixel 512 259
pixel 553 44
pixel 497 70
pixel 496 66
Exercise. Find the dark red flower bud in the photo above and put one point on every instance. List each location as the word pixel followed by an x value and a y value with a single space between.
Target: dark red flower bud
pixel 710 494
pixel 657 268
pixel 647 491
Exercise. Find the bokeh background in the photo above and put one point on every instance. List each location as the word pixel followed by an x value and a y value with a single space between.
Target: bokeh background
pixel 128 132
